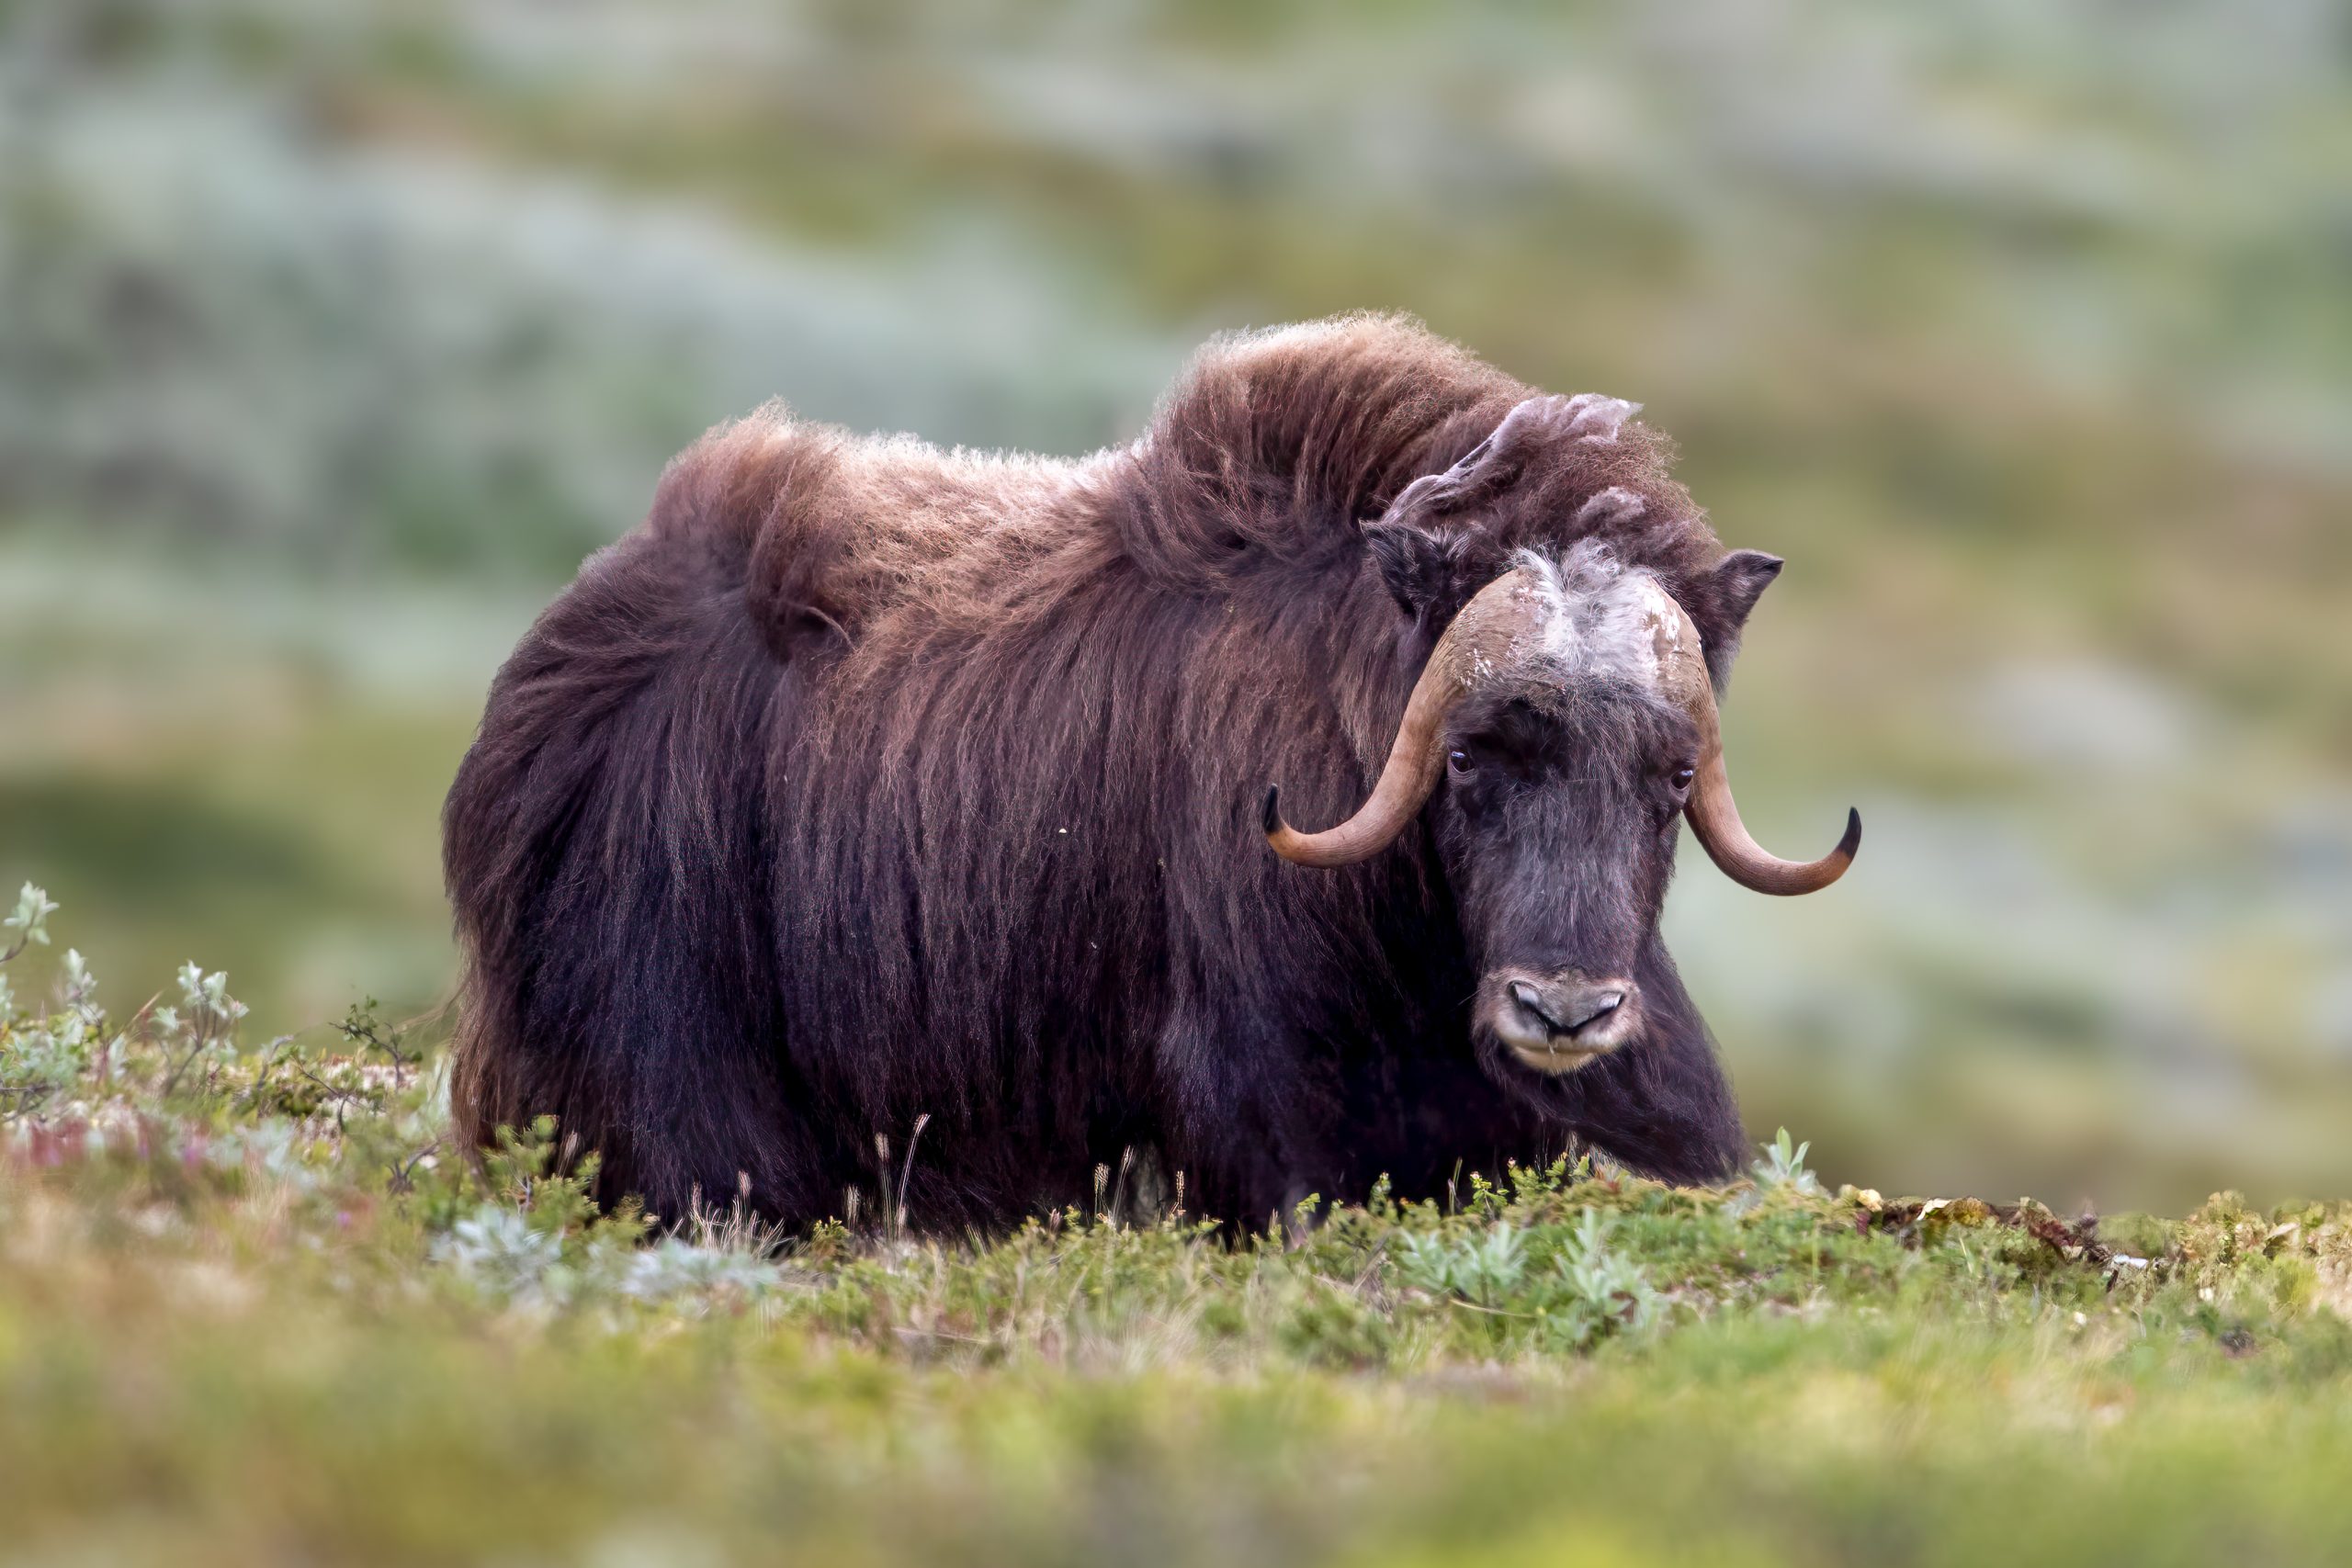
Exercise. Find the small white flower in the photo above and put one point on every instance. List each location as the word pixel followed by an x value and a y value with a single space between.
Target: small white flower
pixel 34 907
pixel 206 996
pixel 676 1268
pixel 79 982
pixel 496 1249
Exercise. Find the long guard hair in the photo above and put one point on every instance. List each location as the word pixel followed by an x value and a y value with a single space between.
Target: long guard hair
pixel 865 781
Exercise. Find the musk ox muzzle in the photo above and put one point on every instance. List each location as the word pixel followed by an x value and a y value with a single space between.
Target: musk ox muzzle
pixel 1558 1023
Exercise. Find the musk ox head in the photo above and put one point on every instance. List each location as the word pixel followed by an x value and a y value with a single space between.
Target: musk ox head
pixel 1563 725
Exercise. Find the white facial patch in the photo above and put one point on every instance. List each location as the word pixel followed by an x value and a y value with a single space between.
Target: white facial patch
pixel 1590 617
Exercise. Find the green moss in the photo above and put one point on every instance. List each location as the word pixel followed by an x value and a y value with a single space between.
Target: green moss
pixel 280 1370
pixel 258 1309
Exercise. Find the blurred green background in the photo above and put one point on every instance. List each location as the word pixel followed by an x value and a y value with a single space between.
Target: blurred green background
pixel 332 335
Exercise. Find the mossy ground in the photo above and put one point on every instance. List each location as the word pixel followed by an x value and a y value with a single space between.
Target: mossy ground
pixel 251 1309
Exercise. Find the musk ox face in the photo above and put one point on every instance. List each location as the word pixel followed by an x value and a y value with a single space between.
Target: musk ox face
pixel 1569 757
pixel 1563 726
pixel 1555 824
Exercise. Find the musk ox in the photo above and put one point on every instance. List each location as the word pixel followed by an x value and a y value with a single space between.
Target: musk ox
pixel 865 781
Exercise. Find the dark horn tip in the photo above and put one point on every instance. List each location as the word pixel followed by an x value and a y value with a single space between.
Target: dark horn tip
pixel 1853 839
pixel 1272 818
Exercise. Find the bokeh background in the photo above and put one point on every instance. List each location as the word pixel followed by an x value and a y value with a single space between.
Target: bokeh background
pixel 332 335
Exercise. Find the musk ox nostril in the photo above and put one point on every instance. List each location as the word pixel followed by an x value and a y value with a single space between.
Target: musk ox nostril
pixel 1531 1002
pixel 1592 1009
pixel 1565 1010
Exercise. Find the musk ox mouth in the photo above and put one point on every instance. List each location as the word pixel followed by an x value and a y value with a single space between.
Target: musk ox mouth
pixel 1556 1023
pixel 1554 1062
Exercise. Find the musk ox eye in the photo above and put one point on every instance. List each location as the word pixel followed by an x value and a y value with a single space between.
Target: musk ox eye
pixel 1681 778
pixel 1458 763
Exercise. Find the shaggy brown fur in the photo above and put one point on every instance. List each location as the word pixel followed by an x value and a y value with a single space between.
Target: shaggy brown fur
pixel 865 781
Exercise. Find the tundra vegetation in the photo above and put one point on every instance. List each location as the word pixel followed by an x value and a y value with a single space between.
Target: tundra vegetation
pixel 333 336
pixel 254 1309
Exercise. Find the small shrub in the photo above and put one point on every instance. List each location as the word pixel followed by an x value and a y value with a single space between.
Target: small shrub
pixel 1782 1168
pixel 1598 1291
pixel 1480 1269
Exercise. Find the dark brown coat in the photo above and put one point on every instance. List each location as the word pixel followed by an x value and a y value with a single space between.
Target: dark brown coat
pixel 865 781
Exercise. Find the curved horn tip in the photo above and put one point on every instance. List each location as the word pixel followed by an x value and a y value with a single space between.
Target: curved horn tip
pixel 1853 839
pixel 1271 818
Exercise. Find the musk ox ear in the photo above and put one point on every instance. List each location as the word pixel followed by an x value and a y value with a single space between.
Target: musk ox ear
pixel 1425 568
pixel 1720 599
pixel 1740 579
pixel 1408 562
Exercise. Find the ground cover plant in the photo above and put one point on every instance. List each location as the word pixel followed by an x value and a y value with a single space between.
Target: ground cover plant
pixel 254 1308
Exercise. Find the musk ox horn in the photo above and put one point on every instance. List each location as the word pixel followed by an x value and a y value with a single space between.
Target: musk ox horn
pixel 1712 812
pixel 1714 819
pixel 1479 639
pixel 1501 628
